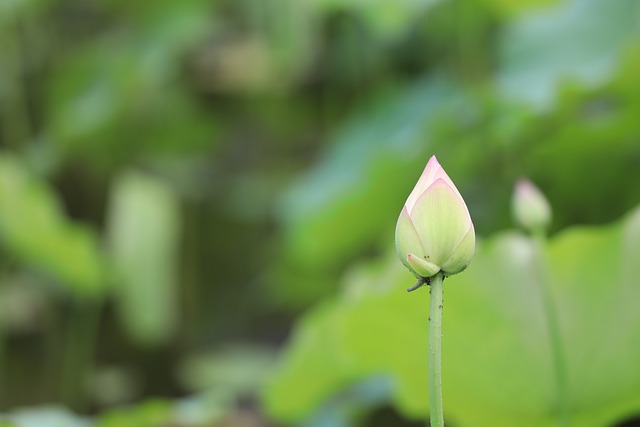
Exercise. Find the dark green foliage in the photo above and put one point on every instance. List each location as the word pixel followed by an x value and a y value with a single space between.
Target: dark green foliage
pixel 180 180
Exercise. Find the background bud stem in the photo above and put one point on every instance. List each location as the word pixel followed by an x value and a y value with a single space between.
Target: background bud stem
pixel 435 356
pixel 561 407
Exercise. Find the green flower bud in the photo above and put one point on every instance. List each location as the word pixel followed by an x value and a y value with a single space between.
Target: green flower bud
pixel 530 208
pixel 434 231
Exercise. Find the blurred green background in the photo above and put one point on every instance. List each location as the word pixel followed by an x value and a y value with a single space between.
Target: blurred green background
pixel 198 198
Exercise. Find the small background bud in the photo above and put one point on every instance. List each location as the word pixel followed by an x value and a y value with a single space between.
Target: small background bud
pixel 529 206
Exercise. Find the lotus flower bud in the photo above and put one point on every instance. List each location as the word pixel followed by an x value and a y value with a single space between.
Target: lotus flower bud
pixel 530 208
pixel 434 232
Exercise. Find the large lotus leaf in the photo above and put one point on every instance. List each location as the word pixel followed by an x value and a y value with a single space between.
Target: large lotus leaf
pixel 577 40
pixel 143 232
pixel 35 230
pixel 497 365
pixel 313 368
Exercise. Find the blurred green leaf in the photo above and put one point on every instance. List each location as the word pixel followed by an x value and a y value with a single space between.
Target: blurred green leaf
pixel 349 201
pixel 387 19
pixel 352 169
pixel 113 385
pixel 12 9
pixel 45 417
pixel 34 229
pixel 575 40
pixel 351 406
pixel 120 96
pixel 494 316
pixel 171 26
pixel 194 411
pixel 122 103
pixel 152 413
pixel 203 409
pixel 518 7
pixel 237 370
pixel 21 304
pixel 335 211
pixel 313 367
pixel 144 234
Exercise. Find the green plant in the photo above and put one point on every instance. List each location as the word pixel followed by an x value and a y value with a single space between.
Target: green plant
pixel 499 367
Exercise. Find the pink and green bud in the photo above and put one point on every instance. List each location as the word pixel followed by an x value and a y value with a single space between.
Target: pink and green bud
pixel 435 232
pixel 530 208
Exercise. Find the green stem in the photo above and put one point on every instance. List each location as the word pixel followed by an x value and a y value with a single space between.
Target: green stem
pixel 559 361
pixel 79 352
pixel 3 349
pixel 14 109
pixel 4 277
pixel 435 355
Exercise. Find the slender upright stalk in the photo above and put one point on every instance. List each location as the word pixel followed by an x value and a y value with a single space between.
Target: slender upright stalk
pixel 14 109
pixel 3 349
pixel 79 352
pixel 555 337
pixel 435 355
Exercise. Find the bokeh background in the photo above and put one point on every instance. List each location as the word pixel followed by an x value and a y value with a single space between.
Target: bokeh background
pixel 198 198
